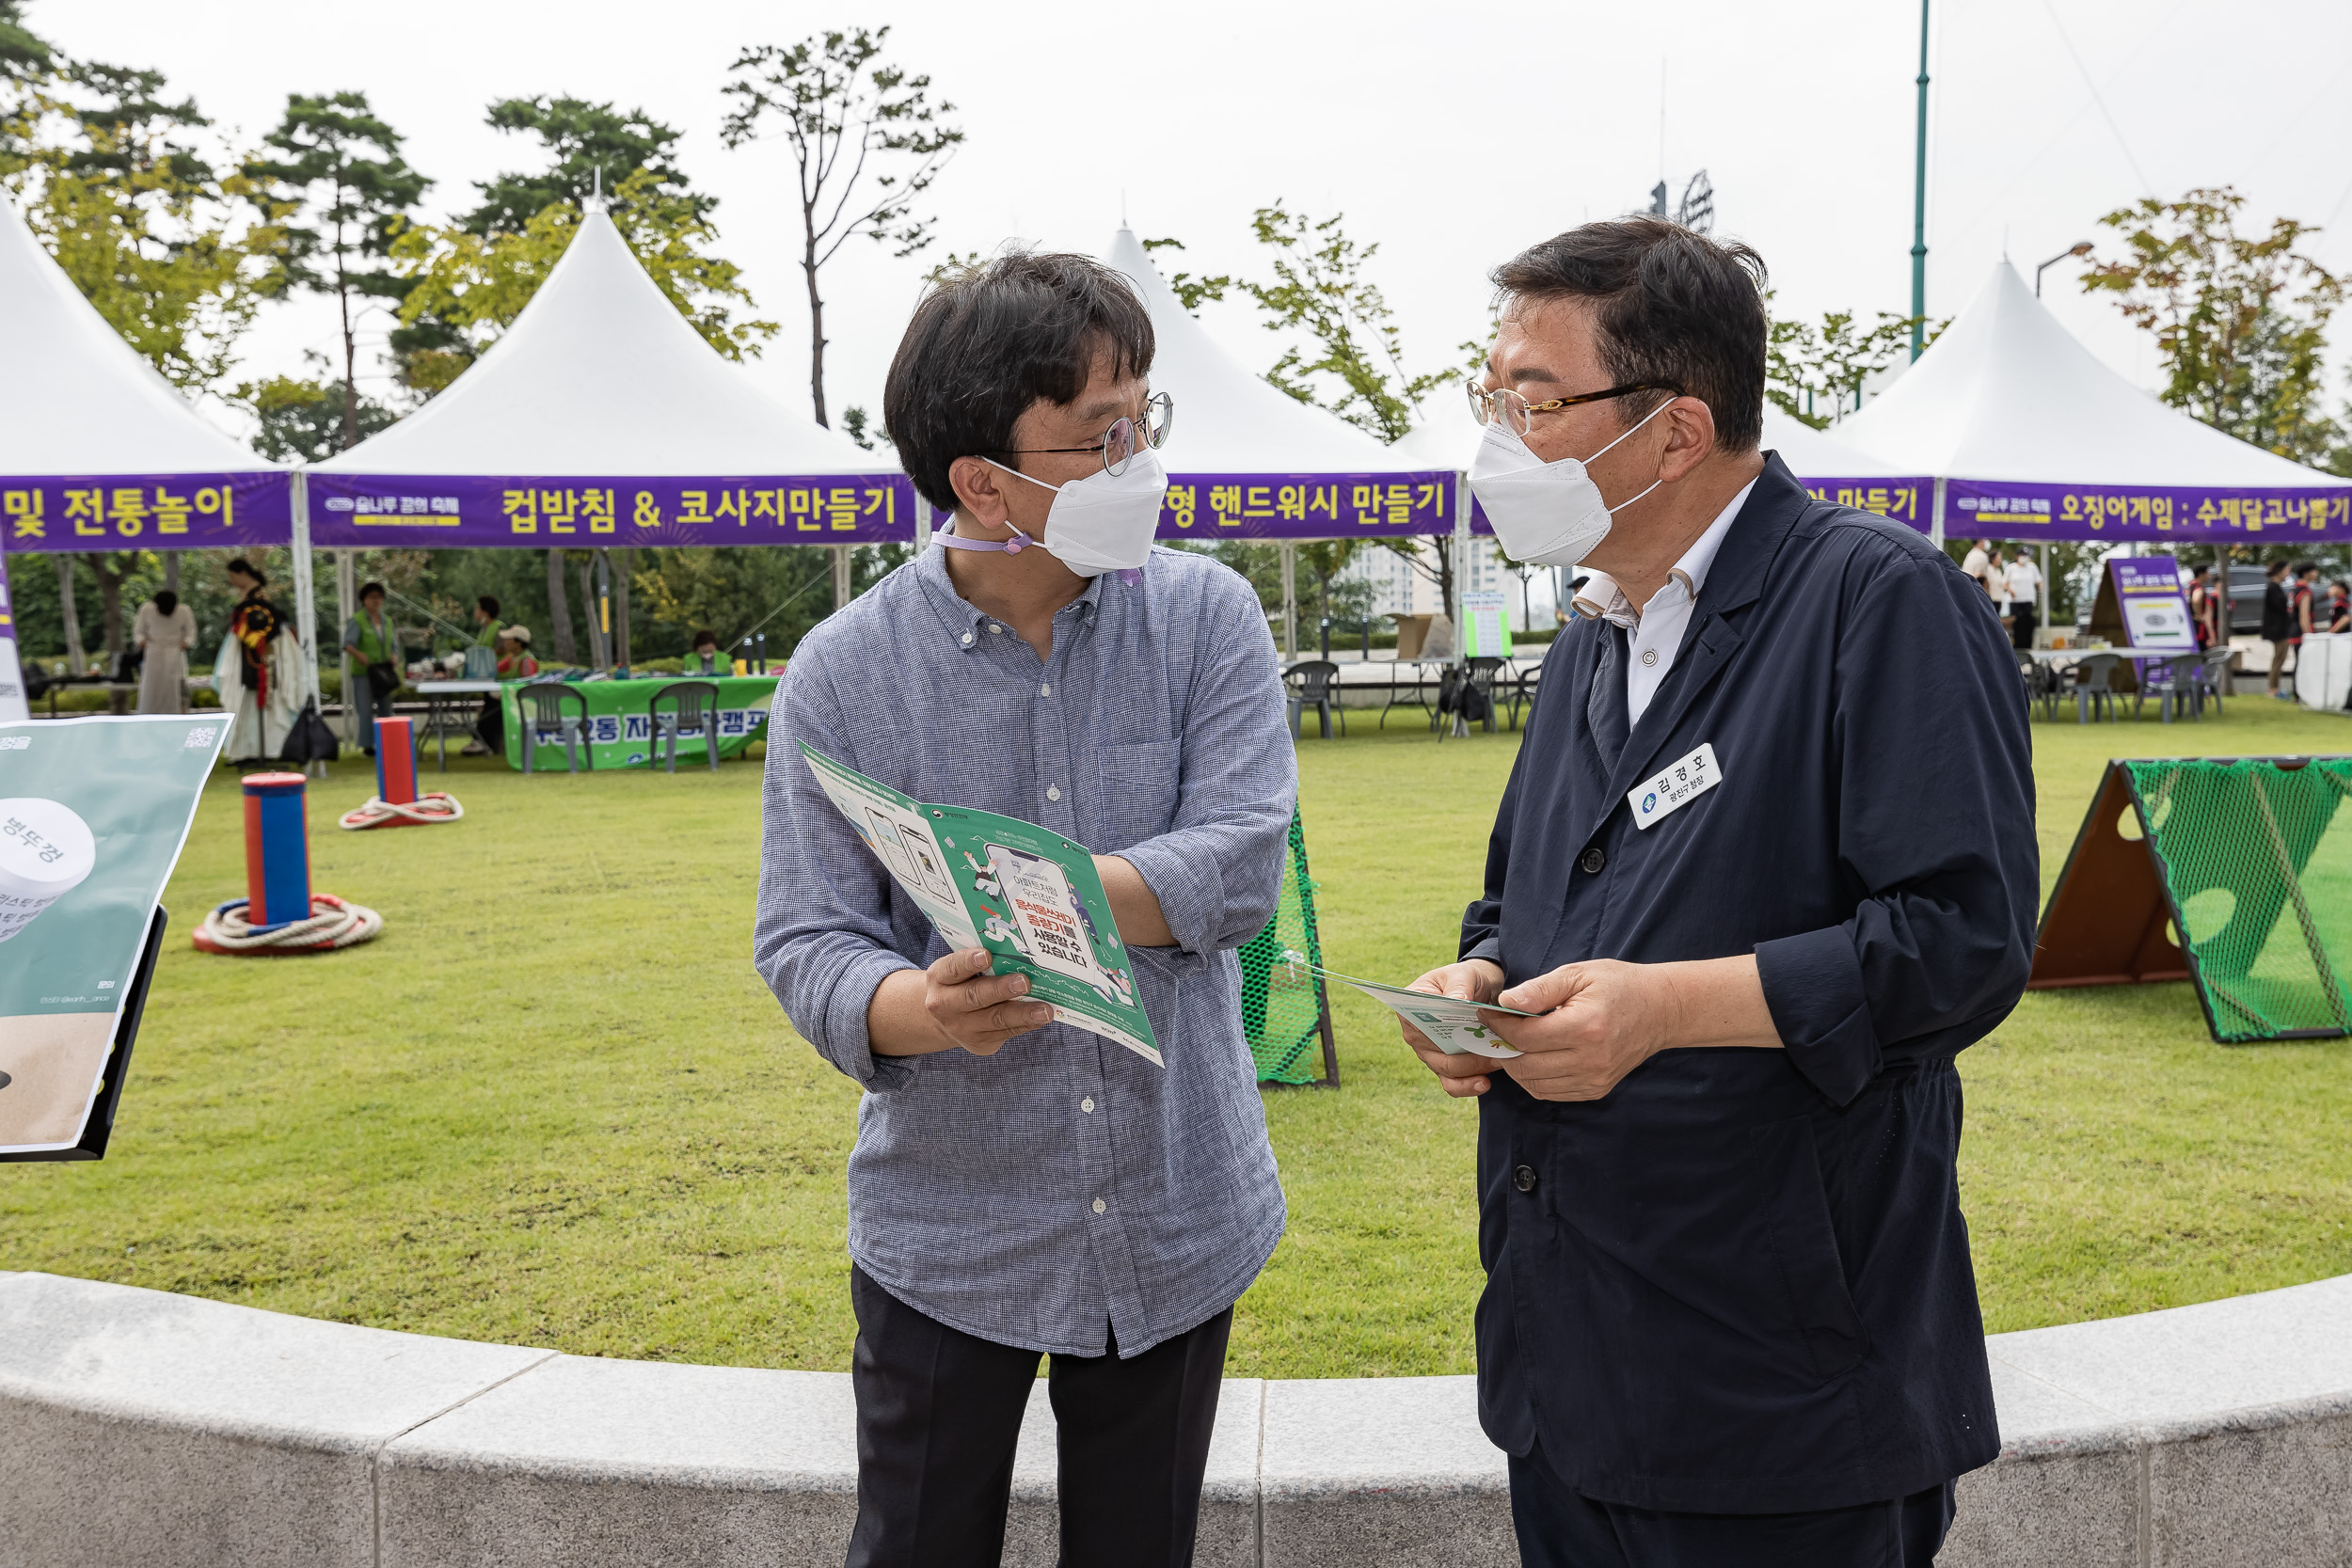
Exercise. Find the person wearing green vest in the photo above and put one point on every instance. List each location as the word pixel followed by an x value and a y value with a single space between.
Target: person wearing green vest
pixel 374 647
pixel 707 659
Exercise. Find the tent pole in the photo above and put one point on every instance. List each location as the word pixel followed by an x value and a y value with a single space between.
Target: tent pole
pixel 305 592
pixel 2045 585
pixel 1461 569
pixel 841 576
pixel 1935 523
pixel 347 606
pixel 922 527
pixel 1290 599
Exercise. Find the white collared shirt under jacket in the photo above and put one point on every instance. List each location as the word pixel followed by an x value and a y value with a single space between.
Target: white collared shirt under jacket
pixel 1653 634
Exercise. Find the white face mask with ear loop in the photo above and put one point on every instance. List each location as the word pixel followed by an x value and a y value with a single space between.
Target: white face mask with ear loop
pixel 1105 522
pixel 1545 514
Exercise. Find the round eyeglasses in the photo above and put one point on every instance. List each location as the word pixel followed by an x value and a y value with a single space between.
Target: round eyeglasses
pixel 1502 406
pixel 1126 436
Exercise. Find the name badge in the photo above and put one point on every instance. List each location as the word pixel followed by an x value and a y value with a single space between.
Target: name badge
pixel 1676 786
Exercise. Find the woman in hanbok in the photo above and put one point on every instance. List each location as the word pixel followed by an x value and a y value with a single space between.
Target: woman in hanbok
pixel 260 669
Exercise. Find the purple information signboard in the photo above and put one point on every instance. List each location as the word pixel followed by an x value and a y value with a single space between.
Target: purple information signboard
pixel 1307 506
pixel 408 510
pixel 148 511
pixel 1905 500
pixel 2126 512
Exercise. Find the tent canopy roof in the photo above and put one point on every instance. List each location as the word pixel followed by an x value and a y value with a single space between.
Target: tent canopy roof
pixel 601 377
pixel 2005 393
pixel 76 399
pixel 1230 421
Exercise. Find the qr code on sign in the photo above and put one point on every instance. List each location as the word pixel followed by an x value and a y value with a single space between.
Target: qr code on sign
pixel 201 735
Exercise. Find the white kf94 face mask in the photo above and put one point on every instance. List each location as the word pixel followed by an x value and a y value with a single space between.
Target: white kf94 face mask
pixel 1102 523
pixel 1543 514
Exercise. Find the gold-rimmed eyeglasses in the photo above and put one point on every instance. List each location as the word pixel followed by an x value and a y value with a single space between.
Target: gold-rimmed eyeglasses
pixel 1501 404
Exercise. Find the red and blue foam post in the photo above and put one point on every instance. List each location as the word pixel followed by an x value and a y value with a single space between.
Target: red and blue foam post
pixel 395 762
pixel 276 850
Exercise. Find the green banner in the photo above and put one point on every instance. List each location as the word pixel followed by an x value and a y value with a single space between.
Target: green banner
pixel 92 814
pixel 620 728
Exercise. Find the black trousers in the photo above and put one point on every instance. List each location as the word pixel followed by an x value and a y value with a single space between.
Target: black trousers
pixel 1559 1528
pixel 939 1410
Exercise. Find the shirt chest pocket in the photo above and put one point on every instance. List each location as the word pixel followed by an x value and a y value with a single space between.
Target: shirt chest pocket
pixel 1135 792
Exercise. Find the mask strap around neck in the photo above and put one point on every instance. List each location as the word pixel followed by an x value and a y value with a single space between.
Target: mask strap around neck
pixel 1014 545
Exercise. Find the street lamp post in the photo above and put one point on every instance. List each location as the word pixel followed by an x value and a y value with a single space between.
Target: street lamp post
pixel 2080 247
pixel 1919 205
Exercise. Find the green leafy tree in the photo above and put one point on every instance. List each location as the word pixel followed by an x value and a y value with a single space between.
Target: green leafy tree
pixel 475 285
pixel 842 108
pixel 305 420
pixel 334 171
pixel 2240 321
pixel 1815 372
pixel 1190 288
pixel 591 147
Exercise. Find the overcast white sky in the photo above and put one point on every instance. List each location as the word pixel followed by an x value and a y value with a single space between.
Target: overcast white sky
pixel 1450 135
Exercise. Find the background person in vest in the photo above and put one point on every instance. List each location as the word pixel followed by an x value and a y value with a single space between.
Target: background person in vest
pixel 707 659
pixel 374 649
pixel 1729 1319
pixel 163 631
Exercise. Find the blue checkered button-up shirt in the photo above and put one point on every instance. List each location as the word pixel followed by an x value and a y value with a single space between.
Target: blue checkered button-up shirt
pixel 1064 1186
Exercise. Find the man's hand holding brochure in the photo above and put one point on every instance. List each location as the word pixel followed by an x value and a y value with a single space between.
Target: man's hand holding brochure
pixel 1026 896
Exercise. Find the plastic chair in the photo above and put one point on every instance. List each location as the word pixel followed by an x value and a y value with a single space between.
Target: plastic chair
pixel 693 710
pixel 2175 689
pixel 2041 684
pixel 1523 691
pixel 1482 674
pixel 1313 684
pixel 543 713
pixel 2213 678
pixel 2092 690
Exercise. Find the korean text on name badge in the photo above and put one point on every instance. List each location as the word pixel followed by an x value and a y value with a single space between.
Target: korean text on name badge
pixel 1676 786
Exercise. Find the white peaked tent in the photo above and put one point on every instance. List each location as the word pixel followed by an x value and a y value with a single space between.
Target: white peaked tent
pixel 97 452
pixel 1247 461
pixel 601 377
pixel 600 418
pixel 2029 436
pixel 82 411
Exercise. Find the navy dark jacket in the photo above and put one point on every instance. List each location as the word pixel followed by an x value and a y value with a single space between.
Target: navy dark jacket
pixel 1740 1283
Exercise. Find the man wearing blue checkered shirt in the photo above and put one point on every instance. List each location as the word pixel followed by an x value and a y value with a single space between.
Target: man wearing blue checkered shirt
pixel 1019 1187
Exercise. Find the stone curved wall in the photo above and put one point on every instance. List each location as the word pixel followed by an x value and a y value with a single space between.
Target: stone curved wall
pixel 170 1431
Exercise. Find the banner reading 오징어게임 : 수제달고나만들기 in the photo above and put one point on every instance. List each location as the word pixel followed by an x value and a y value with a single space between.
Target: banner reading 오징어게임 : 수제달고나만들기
pixel 446 511
pixel 147 512
pixel 2126 513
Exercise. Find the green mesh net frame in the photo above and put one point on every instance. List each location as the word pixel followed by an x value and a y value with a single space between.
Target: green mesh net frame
pixel 1283 1010
pixel 2257 866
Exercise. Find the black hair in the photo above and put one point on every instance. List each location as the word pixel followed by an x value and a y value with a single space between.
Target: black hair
pixel 488 605
pixel 166 601
pixel 366 589
pixel 2305 568
pixel 1670 306
pixel 702 637
pixel 243 567
pixel 2274 568
pixel 989 341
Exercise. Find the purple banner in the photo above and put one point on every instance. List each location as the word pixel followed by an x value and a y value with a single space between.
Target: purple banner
pixel 1307 506
pixel 2125 512
pixel 1905 500
pixel 148 511
pixel 473 511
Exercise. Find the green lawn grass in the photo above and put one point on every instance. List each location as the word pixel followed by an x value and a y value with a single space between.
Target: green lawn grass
pixel 553 1104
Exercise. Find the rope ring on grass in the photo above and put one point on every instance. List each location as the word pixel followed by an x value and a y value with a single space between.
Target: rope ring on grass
pixel 332 923
pixel 434 807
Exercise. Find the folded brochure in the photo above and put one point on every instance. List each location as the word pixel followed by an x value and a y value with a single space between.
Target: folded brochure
pixel 1028 895
pixel 1452 1026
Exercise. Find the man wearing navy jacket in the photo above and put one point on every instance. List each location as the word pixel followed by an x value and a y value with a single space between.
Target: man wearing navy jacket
pixel 1765 865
